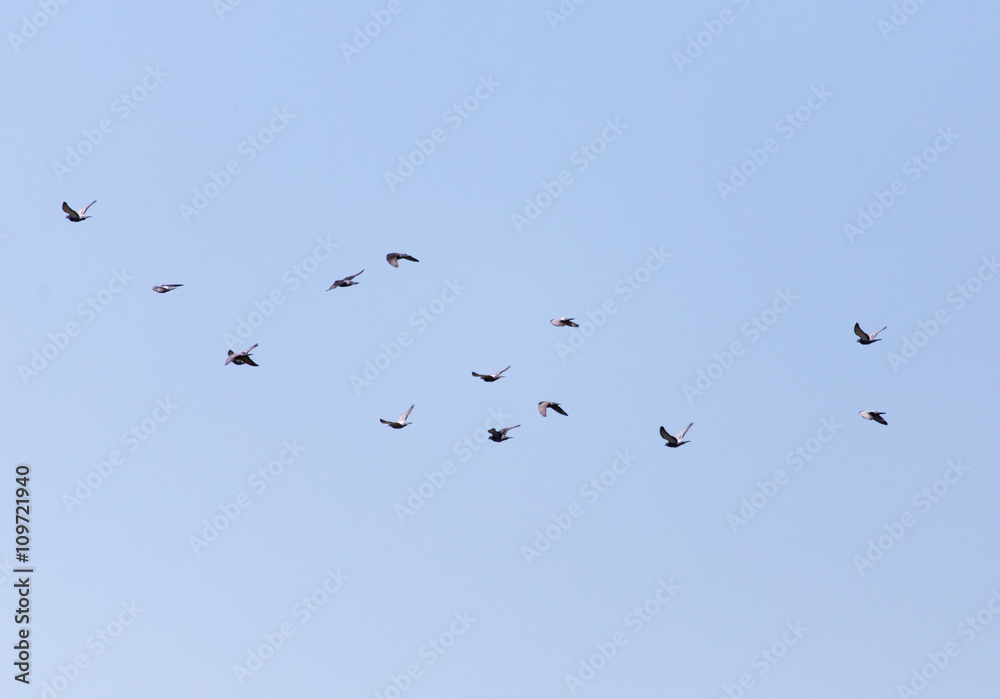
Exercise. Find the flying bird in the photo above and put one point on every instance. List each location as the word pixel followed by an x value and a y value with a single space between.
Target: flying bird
pixel 501 434
pixel 674 441
pixel 863 337
pixel 77 216
pixel 393 258
pixel 242 357
pixel 490 378
pixel 346 281
pixel 549 404
pixel 564 322
pixel 401 422
pixel 164 288
pixel 873 415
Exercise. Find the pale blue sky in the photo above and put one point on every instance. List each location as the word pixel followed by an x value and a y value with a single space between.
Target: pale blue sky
pixel 538 165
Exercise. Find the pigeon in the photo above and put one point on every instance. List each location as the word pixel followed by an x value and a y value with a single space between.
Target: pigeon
pixel 346 281
pixel 549 404
pixel 490 378
pixel 164 288
pixel 501 434
pixel 393 258
pixel 77 216
pixel 674 441
pixel 873 415
pixel 564 323
pixel 401 422
pixel 242 358
pixel 863 337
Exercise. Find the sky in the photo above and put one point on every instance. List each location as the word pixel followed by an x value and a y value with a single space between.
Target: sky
pixel 716 192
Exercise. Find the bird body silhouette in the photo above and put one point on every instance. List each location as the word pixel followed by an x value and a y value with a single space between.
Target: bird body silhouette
pixel 393 258
pixel 77 216
pixel 241 357
pixel 873 415
pixel 542 406
pixel 674 441
pixel 399 423
pixel 564 323
pixel 501 434
pixel 346 281
pixel 490 378
pixel 863 337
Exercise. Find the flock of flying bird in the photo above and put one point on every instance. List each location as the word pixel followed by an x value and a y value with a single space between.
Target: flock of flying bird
pixel 393 258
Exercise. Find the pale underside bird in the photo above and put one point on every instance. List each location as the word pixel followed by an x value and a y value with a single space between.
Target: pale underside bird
pixel 346 281
pixel 873 415
pixel 501 434
pixel 393 258
pixel 77 215
pixel 401 422
pixel 549 404
pixel 674 441
pixel 564 322
pixel 241 357
pixel 863 337
pixel 164 288
pixel 490 378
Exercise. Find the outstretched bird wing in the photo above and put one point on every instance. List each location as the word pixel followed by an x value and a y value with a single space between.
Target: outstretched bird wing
pixel 859 332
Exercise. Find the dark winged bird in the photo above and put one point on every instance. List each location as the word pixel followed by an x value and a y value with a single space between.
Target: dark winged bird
pixel 346 281
pixel 393 258
pixel 164 288
pixel 549 404
pixel 490 378
pixel 399 423
pixel 674 441
pixel 873 415
pixel 564 322
pixel 242 357
pixel 501 434
pixel 77 215
pixel 863 337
